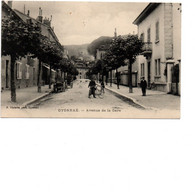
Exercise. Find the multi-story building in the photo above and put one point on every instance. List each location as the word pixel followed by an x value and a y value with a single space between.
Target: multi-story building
pixel 159 27
pixel 48 31
pixel 27 68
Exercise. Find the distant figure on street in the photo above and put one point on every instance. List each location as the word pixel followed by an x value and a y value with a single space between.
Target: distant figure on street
pixel 92 87
pixel 143 85
pixel 102 87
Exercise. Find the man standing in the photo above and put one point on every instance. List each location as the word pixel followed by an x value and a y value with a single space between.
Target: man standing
pixel 92 86
pixel 143 85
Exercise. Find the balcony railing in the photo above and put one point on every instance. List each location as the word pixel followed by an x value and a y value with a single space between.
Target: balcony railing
pixel 147 48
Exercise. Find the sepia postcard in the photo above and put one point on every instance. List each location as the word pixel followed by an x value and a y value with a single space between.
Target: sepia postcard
pixel 64 59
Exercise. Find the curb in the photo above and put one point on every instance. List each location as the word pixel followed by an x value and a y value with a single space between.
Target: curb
pixel 36 99
pixel 130 99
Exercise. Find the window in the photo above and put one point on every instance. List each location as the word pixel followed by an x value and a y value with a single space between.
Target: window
pixel 27 71
pixel 148 33
pixel 18 70
pixel 142 37
pixel 157 67
pixel 157 31
pixel 142 70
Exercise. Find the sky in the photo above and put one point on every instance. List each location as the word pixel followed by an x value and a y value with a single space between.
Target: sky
pixel 82 22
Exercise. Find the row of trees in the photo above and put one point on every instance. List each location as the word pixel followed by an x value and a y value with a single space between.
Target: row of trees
pixel 121 48
pixel 20 39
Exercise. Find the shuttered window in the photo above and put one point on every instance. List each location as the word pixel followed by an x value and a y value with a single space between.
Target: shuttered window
pixel 18 70
pixel 157 31
pixel 142 70
pixel 148 35
pixel 157 67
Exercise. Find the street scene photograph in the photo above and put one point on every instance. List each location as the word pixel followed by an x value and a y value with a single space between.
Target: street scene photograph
pixel 64 59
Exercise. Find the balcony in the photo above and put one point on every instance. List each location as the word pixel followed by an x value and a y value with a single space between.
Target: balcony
pixel 147 49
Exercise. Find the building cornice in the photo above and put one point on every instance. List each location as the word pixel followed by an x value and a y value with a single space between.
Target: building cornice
pixel 146 12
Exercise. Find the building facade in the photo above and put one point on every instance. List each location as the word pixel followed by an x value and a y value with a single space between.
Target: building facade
pixel 159 27
pixel 27 68
pixel 82 68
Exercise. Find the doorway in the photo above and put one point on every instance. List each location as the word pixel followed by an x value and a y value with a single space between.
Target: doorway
pixel 149 75
pixel 7 73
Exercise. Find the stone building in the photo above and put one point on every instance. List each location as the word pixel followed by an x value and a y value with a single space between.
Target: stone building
pixel 159 26
pixel 26 68
pixel 82 67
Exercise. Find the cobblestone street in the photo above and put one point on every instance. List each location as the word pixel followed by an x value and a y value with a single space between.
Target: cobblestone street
pixel 75 101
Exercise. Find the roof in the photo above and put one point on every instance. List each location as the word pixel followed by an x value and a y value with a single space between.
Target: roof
pixel 6 6
pixel 146 12
pixel 24 17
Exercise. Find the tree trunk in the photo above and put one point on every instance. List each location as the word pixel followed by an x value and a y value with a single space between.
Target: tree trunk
pixel 111 78
pixel 106 78
pixel 56 76
pixel 39 76
pixel 117 78
pixel 50 75
pixel 13 84
pixel 130 77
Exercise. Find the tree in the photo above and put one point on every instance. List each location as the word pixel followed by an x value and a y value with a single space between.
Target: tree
pixel 64 64
pixel 47 52
pixel 123 48
pixel 55 57
pixel 133 47
pixel 115 56
pixel 18 40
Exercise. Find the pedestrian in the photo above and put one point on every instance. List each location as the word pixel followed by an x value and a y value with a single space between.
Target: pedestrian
pixel 92 88
pixel 102 87
pixel 143 85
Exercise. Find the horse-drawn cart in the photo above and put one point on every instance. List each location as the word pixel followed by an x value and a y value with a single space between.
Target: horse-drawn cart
pixel 59 87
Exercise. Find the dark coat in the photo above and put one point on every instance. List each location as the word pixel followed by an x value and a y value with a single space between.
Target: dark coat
pixel 143 84
pixel 92 84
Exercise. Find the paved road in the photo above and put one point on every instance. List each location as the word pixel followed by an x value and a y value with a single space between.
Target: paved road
pixel 75 102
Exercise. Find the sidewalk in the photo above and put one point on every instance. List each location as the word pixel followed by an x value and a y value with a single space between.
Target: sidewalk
pixel 24 96
pixel 153 100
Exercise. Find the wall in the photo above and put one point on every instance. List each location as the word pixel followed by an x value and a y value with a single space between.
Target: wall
pixel 32 80
pixel 176 32
pixel 158 47
pixel 23 82
pixel 82 73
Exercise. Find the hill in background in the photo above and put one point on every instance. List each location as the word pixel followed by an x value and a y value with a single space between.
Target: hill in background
pixel 78 51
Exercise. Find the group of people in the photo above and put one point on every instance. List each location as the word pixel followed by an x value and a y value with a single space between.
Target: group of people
pixel 92 87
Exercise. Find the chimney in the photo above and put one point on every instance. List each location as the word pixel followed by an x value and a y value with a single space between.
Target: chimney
pixel 24 9
pixel 47 22
pixel 115 33
pixel 28 13
pixel 40 17
pixel 10 4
